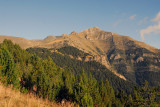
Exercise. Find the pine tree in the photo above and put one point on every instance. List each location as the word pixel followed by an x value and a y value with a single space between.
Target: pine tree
pixel 107 93
pixel 8 72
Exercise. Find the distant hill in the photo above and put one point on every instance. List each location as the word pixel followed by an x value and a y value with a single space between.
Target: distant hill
pixel 24 43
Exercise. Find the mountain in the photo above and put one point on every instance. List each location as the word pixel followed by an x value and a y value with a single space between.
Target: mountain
pixel 129 59
pixel 43 78
pixel 73 60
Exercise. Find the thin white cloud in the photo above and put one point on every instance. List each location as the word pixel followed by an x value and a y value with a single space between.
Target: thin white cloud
pixel 132 17
pixel 152 28
pixel 157 18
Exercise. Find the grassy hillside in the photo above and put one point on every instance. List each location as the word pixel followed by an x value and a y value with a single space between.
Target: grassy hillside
pixel 13 98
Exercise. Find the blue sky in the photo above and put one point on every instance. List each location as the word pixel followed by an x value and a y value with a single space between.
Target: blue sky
pixel 36 19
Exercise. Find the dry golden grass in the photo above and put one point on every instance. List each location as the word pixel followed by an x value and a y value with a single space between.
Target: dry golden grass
pixel 13 98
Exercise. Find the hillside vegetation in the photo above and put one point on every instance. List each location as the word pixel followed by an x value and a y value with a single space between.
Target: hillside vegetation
pixel 62 58
pixel 14 98
pixel 29 73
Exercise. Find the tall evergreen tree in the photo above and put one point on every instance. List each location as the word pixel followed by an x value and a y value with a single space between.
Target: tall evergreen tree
pixel 8 72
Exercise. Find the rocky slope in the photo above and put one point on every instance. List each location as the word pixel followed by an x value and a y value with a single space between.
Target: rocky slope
pixel 123 55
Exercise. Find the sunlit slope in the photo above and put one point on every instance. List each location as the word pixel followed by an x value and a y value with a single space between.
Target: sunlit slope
pixel 13 98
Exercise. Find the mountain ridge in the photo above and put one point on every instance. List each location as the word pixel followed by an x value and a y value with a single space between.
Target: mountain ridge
pixel 85 33
pixel 120 54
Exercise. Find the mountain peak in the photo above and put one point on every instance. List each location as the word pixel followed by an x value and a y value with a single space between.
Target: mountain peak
pixel 94 29
pixel 91 30
pixel 64 34
pixel 51 37
pixel 74 33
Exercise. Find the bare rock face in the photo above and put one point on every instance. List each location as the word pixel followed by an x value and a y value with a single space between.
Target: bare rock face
pixel 95 34
pixel 99 58
pixel 140 59
pixel 79 58
pixel 104 35
pixel 103 61
pixel 115 56
pixel 91 31
pixel 88 58
pixel 148 55
pixel 74 33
